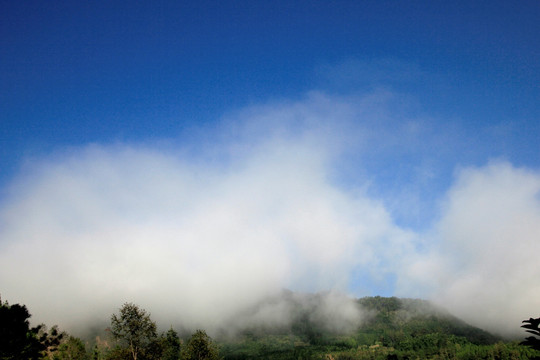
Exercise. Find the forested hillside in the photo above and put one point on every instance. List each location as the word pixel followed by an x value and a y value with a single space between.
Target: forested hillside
pixel 304 326
pixel 391 328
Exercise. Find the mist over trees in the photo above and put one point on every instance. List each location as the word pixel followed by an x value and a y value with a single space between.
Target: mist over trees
pixel 200 346
pixel 17 339
pixel 132 336
pixel 134 331
pixel 389 328
pixel 136 338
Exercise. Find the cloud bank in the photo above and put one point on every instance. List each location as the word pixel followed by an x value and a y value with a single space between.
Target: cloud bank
pixel 297 195
pixel 482 262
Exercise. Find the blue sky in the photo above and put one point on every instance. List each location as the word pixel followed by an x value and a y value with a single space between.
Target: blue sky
pixel 369 121
pixel 75 73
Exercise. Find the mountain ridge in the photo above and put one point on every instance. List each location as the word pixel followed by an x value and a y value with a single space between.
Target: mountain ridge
pixel 389 328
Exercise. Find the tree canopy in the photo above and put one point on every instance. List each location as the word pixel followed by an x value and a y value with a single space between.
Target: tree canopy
pixel 134 330
pixel 18 340
pixel 396 329
pixel 200 347
pixel 533 327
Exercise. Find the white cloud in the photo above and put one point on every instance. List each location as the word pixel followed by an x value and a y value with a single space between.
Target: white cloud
pixel 483 265
pixel 86 231
pixel 289 195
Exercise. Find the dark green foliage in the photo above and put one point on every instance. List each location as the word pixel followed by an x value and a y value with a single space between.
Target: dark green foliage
pixel 135 333
pixel 118 353
pixel 393 329
pixel 171 345
pixel 396 329
pixel 200 347
pixel 96 353
pixel 395 317
pixel 17 340
pixel 50 340
pixel 381 304
pixel 71 348
pixel 533 327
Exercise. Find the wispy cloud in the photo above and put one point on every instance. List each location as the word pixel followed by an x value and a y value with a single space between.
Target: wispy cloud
pixel 482 261
pixel 301 195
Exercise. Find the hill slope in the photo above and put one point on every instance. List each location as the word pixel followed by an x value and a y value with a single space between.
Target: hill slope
pixel 415 317
pixel 390 328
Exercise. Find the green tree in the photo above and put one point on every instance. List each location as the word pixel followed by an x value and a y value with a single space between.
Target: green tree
pixel 18 341
pixel 71 348
pixel 135 331
pixel 200 347
pixel 533 327
pixel 171 346
pixel 50 340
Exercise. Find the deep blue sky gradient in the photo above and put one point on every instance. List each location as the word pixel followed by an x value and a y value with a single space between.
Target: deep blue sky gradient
pixel 73 73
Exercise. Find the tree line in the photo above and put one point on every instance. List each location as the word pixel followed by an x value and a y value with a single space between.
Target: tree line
pixel 133 335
